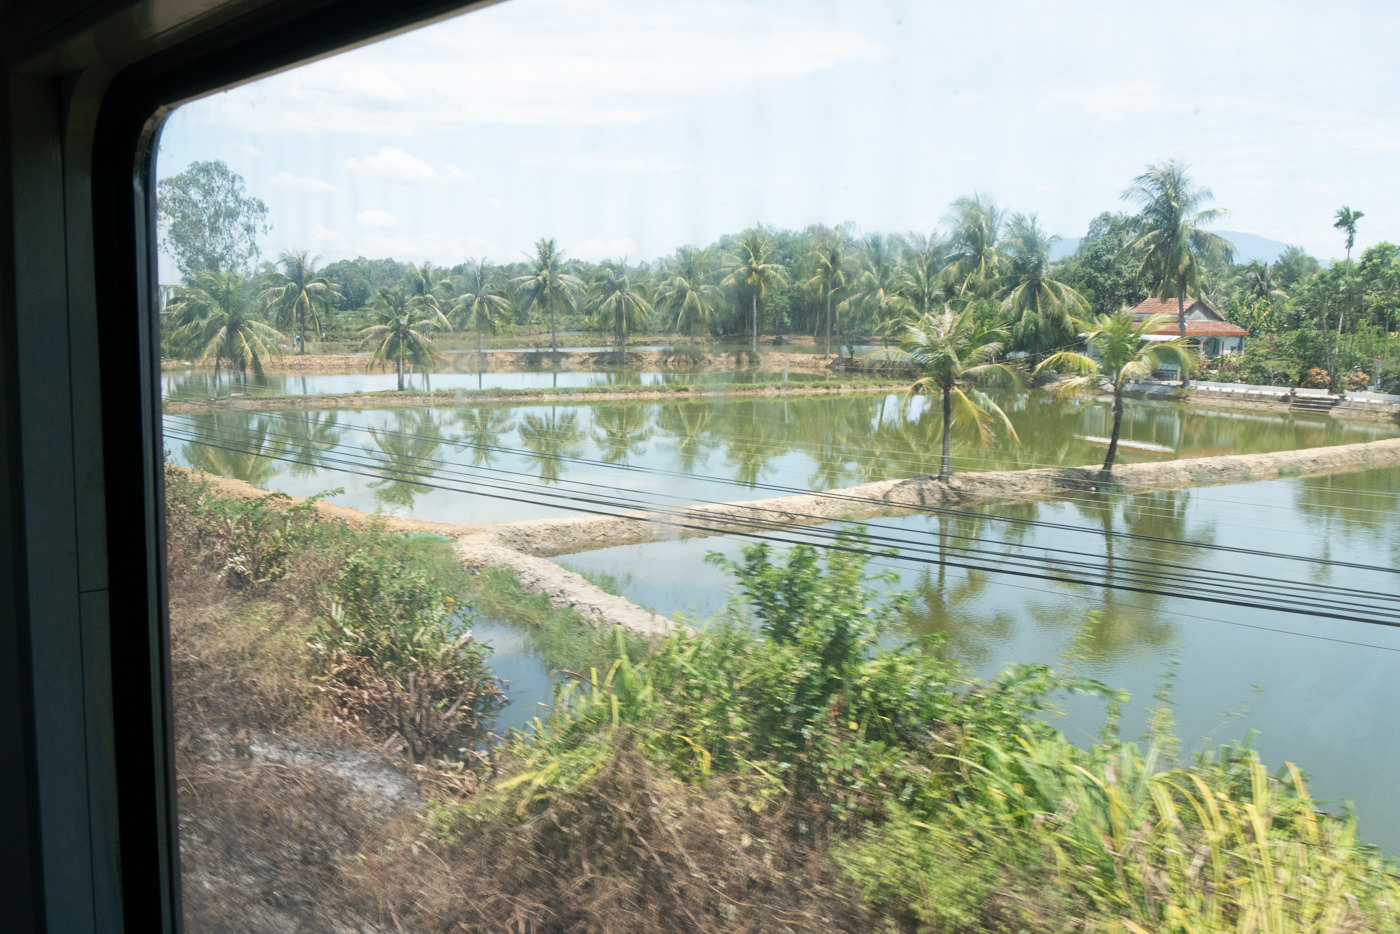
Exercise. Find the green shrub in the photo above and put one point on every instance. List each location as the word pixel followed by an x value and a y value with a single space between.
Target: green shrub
pixel 393 645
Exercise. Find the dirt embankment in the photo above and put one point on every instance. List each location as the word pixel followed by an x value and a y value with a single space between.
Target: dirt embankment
pixel 525 546
pixel 467 361
pixel 397 400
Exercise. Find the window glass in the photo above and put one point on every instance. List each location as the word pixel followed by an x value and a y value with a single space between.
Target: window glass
pixel 764 466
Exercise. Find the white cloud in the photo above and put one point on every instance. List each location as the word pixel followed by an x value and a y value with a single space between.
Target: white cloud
pixel 321 233
pixel 377 217
pixel 594 249
pixel 395 165
pixel 499 203
pixel 618 165
pixel 247 149
pixel 289 182
pixel 523 63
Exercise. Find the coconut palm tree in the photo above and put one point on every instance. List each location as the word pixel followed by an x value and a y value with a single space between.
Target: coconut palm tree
pixel 829 278
pixel 953 355
pixel 401 328
pixel 479 305
pixel 549 284
pixel 973 256
pixel 214 320
pixel 753 270
pixel 295 295
pixel 618 303
pixel 1122 351
pixel 1346 222
pixel 1172 245
pixel 875 294
pixel 1039 307
pixel 685 293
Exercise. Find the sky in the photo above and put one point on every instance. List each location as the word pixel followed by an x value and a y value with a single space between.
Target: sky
pixel 627 128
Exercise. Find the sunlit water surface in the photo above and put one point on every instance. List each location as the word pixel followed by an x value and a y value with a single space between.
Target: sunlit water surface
pixel 1317 692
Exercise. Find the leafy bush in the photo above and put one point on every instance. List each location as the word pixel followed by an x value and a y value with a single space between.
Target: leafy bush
pixel 393 644
pixel 1315 378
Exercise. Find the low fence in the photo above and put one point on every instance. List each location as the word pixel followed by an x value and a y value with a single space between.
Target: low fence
pixel 1261 393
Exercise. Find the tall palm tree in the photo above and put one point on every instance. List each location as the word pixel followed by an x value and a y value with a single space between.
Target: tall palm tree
pixel 752 269
pixel 1258 283
pixel 295 295
pixel 1122 352
pixel 953 354
pixel 549 283
pixel 973 255
pixel 1346 222
pixel 829 278
pixel 1172 245
pixel 1039 307
pixel 685 292
pixel 618 303
pixel 401 328
pixel 875 293
pixel 214 320
pixel 479 305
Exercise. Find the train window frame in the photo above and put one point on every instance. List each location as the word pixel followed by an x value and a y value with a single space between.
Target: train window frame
pixel 90 800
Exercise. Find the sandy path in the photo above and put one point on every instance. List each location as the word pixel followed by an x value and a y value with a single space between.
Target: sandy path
pixel 525 546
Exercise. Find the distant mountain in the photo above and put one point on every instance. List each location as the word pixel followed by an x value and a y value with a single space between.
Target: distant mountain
pixel 1064 248
pixel 1248 246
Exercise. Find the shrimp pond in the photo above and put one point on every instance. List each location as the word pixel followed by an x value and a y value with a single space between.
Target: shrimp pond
pixel 1316 691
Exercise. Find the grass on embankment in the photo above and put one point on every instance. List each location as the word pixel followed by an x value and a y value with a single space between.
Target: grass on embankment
pixel 445 397
pixel 783 772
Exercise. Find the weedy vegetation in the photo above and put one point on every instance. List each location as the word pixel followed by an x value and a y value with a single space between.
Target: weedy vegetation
pixel 789 768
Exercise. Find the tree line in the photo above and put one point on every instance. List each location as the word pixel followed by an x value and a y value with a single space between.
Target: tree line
pixel 838 285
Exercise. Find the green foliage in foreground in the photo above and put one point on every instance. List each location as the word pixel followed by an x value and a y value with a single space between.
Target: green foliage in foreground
pixel 951 803
pixel 389 643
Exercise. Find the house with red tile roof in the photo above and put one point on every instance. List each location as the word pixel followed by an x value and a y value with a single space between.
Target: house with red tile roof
pixel 1205 328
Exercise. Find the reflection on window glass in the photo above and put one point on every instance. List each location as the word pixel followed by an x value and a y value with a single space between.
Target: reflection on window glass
pixel 746 466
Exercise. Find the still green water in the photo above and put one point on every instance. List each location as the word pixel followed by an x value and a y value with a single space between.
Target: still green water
pixel 453 464
pixel 1318 692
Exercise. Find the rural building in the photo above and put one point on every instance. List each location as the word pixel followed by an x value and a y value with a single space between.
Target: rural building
pixel 1205 328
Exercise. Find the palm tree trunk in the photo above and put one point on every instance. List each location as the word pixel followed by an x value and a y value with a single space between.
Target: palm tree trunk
pixel 828 321
pixel 755 322
pixel 398 366
pixel 553 340
pixel 1181 331
pixel 1117 426
pixel 945 468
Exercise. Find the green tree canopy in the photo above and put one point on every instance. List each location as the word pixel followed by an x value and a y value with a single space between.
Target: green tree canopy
pixel 209 221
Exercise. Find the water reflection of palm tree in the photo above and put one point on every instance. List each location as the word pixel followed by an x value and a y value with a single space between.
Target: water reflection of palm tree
pixel 688 425
pixel 1356 505
pixel 482 427
pixel 404 454
pixel 750 440
pixel 550 438
pixel 248 446
pixel 1127 622
pixel 309 436
pixel 943 606
pixel 620 431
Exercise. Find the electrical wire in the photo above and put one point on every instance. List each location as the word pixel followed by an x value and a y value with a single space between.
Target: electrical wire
pixel 1006 564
